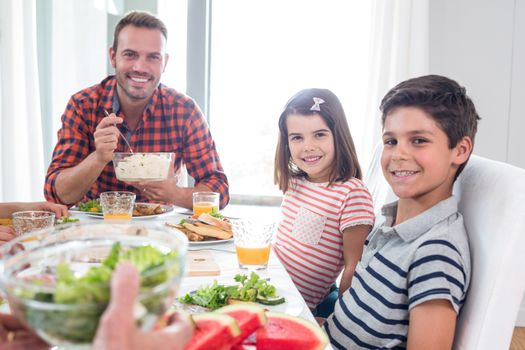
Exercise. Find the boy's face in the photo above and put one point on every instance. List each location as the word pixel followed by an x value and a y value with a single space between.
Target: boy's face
pixel 416 160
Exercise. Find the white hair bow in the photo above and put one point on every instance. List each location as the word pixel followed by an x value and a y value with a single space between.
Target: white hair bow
pixel 316 106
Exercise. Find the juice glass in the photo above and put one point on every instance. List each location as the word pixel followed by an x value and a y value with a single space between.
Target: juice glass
pixel 117 205
pixel 205 202
pixel 252 243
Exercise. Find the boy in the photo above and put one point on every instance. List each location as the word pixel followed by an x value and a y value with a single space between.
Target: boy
pixel 414 273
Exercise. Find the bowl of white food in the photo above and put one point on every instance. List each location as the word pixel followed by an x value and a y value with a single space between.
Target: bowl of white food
pixel 138 167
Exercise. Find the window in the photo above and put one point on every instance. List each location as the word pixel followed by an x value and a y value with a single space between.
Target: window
pixel 262 53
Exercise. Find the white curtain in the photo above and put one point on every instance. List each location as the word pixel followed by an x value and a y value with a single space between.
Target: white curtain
pixel 21 150
pixel 399 51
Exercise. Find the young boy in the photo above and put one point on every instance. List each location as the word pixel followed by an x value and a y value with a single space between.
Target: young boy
pixel 414 273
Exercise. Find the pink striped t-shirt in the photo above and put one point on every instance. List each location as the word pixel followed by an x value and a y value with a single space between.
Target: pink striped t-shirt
pixel 309 241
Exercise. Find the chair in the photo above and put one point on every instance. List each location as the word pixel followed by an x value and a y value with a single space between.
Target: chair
pixel 492 199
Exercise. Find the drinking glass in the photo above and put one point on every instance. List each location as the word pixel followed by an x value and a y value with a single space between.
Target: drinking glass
pixel 117 205
pixel 252 243
pixel 205 202
pixel 32 220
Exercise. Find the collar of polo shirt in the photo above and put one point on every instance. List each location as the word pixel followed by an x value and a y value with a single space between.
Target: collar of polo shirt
pixel 413 228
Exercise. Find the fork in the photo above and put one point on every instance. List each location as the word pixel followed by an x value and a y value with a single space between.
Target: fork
pixel 125 139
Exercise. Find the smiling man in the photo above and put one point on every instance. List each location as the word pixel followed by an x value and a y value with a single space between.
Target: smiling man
pixel 151 116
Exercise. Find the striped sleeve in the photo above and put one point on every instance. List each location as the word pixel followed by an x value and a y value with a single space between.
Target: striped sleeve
pixel 437 272
pixel 358 208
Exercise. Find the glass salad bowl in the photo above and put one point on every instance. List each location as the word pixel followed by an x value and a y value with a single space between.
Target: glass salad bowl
pixel 135 167
pixel 57 280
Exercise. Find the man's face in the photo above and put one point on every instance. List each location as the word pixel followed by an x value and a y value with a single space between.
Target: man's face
pixel 139 62
pixel 417 161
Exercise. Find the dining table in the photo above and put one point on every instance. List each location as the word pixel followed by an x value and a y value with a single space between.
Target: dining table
pixel 222 256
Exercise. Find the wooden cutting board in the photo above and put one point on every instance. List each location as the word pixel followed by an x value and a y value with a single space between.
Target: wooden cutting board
pixel 201 263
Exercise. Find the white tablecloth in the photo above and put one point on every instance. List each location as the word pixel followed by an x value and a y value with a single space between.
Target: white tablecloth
pixel 224 255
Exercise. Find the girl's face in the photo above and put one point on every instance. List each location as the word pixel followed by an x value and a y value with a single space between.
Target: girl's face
pixel 311 145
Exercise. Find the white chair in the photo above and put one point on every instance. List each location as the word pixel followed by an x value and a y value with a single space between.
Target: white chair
pixel 492 201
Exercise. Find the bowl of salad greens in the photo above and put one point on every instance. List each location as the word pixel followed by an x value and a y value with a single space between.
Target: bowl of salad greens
pixel 58 282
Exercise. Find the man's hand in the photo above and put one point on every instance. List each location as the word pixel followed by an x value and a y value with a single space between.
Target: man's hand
pixel 15 336
pixel 161 191
pixel 106 138
pixel 117 329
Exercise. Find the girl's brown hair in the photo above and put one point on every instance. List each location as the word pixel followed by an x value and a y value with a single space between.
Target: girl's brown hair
pixel 345 166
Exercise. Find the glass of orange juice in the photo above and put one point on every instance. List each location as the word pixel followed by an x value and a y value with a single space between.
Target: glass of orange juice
pixel 252 243
pixel 117 205
pixel 205 202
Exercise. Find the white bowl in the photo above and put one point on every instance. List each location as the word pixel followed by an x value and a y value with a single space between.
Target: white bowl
pixel 138 167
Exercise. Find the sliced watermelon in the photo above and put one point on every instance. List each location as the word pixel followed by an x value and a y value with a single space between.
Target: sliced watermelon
pixel 249 317
pixel 213 331
pixel 284 332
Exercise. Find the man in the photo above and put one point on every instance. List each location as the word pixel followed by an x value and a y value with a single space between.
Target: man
pixel 152 117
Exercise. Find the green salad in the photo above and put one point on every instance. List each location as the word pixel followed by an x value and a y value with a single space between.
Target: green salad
pixel 248 288
pixel 88 294
pixel 66 220
pixel 92 206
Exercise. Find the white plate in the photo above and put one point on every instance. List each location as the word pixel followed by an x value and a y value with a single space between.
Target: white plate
pixel 292 306
pixel 167 209
pixel 218 241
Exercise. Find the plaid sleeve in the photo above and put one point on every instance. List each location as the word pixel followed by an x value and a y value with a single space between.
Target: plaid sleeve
pixel 358 208
pixel 437 272
pixel 72 147
pixel 201 157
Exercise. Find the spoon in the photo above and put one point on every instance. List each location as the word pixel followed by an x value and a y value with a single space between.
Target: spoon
pixel 125 140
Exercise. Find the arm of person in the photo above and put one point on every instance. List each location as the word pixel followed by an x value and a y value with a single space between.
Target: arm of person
pixel 201 157
pixel 15 336
pixel 73 183
pixel 117 328
pixel 7 209
pixel 353 242
pixel 432 325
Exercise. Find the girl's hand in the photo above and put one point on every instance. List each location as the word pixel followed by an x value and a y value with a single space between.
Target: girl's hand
pixel 59 209
pixel 7 233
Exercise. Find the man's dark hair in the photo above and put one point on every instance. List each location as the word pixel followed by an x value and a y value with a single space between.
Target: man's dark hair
pixel 140 20
pixel 443 99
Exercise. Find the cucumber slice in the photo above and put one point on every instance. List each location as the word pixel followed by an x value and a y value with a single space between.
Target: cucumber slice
pixel 270 300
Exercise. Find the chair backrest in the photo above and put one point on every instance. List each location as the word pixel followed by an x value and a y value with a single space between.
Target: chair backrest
pixel 492 200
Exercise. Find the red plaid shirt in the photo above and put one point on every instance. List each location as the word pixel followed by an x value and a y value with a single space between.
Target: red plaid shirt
pixel 171 122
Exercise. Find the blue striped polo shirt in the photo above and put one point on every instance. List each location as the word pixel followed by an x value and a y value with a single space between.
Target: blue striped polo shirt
pixel 424 258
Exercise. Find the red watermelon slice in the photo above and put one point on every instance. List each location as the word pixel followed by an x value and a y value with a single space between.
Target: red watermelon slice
pixel 249 317
pixel 213 331
pixel 284 332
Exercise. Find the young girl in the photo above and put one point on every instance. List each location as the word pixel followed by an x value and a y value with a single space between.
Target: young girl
pixel 327 210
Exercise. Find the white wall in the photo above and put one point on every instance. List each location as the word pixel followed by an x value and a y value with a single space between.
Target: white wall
pixel 481 44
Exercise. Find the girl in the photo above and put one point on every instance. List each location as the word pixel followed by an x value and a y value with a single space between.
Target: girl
pixel 327 210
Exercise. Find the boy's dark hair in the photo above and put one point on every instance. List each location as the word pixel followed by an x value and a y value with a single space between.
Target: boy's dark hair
pixel 345 164
pixel 443 99
pixel 139 19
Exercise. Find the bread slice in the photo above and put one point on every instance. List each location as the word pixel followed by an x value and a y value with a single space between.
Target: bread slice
pixel 208 230
pixel 210 220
